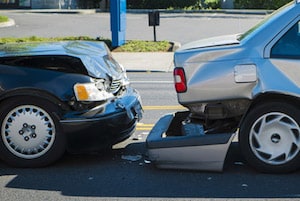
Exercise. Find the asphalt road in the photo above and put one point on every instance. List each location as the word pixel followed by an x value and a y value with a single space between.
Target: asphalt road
pixel 179 27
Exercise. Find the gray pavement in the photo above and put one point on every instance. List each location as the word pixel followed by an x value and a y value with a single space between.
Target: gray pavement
pixel 181 27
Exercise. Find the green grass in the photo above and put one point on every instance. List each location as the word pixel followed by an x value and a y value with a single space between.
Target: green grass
pixel 129 46
pixel 3 18
pixel 144 46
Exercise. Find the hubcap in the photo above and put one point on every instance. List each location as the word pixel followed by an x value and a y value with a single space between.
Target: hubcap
pixel 28 131
pixel 275 138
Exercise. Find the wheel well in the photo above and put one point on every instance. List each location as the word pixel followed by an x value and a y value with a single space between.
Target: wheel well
pixel 35 94
pixel 268 97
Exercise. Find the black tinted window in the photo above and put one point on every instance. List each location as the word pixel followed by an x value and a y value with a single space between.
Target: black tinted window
pixel 51 62
pixel 288 46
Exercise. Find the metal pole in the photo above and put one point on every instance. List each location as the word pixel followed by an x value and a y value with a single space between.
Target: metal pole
pixel 154 32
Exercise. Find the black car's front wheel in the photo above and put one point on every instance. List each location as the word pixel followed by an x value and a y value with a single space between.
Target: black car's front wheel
pixel 270 137
pixel 30 132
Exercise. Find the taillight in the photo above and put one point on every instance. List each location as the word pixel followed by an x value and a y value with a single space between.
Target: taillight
pixel 179 79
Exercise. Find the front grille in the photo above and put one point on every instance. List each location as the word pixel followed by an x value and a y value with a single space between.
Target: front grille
pixel 115 86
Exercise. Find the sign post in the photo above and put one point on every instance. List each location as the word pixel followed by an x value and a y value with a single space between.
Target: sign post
pixel 153 17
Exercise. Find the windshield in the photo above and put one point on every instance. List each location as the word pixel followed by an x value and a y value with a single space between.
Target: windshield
pixel 244 35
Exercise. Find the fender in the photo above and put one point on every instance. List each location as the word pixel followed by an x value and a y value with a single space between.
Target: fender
pixel 265 97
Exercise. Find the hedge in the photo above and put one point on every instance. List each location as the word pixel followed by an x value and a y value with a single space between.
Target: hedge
pixel 202 4
pixel 259 4
pixel 161 4
pixel 189 4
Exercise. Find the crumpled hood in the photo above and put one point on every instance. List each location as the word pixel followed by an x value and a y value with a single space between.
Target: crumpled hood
pixel 95 56
pixel 211 42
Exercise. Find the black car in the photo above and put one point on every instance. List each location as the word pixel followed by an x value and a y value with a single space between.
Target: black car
pixel 62 96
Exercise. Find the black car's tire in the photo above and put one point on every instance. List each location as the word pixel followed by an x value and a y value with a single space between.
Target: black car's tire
pixel 269 137
pixel 31 135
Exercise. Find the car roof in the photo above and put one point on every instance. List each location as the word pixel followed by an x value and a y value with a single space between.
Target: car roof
pixel 71 48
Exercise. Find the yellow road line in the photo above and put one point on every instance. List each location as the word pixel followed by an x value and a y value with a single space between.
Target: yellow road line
pixel 144 127
pixel 164 107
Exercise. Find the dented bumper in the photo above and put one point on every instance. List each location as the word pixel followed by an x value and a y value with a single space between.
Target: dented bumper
pixel 190 148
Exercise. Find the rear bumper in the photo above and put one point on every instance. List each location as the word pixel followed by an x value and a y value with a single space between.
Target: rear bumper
pixel 192 149
pixel 116 122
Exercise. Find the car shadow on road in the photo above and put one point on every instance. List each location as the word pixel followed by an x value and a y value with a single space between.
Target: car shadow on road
pixel 125 173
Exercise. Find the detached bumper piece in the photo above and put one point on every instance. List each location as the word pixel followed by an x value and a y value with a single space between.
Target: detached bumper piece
pixel 174 143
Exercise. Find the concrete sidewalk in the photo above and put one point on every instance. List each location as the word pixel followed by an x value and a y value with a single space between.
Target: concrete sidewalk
pixel 145 61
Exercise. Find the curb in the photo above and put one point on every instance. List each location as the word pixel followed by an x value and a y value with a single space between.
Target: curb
pixel 224 11
pixel 54 11
pixel 63 11
pixel 10 22
pixel 145 11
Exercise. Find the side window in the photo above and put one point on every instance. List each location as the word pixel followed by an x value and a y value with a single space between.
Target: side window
pixel 288 46
pixel 51 62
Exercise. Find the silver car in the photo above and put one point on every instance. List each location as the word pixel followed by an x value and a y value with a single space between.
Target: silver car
pixel 249 83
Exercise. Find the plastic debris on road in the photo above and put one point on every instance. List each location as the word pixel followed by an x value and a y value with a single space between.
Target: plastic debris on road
pixel 132 158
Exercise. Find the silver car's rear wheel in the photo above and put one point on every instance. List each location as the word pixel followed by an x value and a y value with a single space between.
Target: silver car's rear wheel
pixel 270 137
pixel 28 131
pixel 31 135
pixel 274 138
